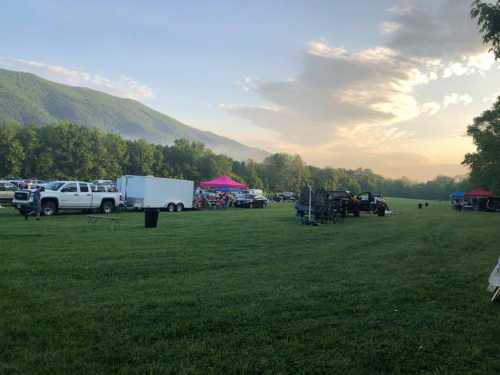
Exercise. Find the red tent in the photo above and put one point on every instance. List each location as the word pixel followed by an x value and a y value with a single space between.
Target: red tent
pixel 224 182
pixel 478 193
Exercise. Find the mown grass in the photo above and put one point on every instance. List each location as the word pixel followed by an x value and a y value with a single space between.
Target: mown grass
pixel 250 291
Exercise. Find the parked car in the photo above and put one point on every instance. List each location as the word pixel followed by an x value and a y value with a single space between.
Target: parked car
pixel 251 201
pixel 67 195
pixel 286 196
pixel 7 190
pixel 20 184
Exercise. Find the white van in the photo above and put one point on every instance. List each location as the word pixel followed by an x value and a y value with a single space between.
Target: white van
pixel 156 192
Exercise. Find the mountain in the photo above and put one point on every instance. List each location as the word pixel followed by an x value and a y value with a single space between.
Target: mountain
pixel 29 99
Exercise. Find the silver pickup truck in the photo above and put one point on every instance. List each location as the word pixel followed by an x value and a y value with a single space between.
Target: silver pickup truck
pixel 67 195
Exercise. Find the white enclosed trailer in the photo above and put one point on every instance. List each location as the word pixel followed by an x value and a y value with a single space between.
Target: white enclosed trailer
pixel 156 192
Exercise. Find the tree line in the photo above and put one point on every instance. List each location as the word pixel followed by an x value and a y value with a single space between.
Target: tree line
pixel 69 151
pixel 485 129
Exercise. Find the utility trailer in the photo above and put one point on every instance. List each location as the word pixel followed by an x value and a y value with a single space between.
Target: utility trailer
pixel 142 192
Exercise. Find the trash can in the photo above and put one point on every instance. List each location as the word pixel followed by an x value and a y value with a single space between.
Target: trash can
pixel 151 217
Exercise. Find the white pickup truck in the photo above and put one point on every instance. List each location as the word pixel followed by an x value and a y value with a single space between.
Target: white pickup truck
pixel 67 195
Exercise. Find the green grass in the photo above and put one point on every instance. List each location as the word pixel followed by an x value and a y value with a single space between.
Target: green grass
pixel 250 291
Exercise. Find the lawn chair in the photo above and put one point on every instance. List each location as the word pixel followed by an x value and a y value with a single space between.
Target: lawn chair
pixel 494 281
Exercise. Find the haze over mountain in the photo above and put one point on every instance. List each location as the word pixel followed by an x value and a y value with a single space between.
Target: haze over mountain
pixel 29 99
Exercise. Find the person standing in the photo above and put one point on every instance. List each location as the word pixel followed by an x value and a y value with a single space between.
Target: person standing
pixel 37 201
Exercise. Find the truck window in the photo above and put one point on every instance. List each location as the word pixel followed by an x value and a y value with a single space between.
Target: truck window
pixel 2 187
pixel 54 186
pixel 84 188
pixel 364 197
pixel 70 188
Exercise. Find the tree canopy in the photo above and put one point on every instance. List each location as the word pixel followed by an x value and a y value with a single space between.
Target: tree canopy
pixel 487 15
pixel 69 151
pixel 485 129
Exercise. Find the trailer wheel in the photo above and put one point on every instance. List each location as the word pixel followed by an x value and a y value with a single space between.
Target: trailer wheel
pixel 171 207
pixel 179 207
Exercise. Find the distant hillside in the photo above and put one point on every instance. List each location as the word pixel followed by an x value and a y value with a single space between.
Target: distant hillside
pixel 29 99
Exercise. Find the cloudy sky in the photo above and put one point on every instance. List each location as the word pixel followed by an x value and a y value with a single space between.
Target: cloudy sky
pixel 384 84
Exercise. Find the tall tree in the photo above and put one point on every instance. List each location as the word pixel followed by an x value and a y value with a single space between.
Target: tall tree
pixel 283 172
pixel 28 136
pixel 184 158
pixel 485 130
pixel 140 157
pixel 11 150
pixel 485 162
pixel 487 15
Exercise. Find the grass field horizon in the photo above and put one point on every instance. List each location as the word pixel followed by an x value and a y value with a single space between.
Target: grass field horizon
pixel 250 291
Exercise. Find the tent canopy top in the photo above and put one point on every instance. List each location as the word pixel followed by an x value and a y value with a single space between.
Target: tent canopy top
pixel 478 193
pixel 222 182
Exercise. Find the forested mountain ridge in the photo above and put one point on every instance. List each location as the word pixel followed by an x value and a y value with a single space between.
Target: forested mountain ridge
pixel 29 99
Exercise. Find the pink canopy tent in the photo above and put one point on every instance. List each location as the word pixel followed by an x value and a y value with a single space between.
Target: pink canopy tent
pixel 222 182
pixel 478 193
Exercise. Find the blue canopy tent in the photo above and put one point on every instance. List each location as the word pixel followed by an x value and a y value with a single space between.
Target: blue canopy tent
pixel 226 190
pixel 457 196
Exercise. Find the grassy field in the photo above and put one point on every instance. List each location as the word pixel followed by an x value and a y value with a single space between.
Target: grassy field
pixel 250 291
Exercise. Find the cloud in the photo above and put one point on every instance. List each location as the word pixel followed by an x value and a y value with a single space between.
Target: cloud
pixel 455 98
pixel 473 64
pixel 435 32
pixel 123 86
pixel 338 89
pixel 430 108
pixel 389 27
pixel 342 91
pixel 365 101
pixel 492 98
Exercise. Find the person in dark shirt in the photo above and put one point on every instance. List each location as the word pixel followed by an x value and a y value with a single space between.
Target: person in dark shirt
pixel 37 201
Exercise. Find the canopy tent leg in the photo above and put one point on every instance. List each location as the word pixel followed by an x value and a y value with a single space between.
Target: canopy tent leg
pixel 495 295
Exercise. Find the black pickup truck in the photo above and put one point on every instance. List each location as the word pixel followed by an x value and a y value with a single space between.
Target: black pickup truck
pixel 368 201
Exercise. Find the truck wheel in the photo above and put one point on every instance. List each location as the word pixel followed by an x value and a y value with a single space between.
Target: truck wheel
pixel 107 207
pixel 171 207
pixel 179 207
pixel 48 208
